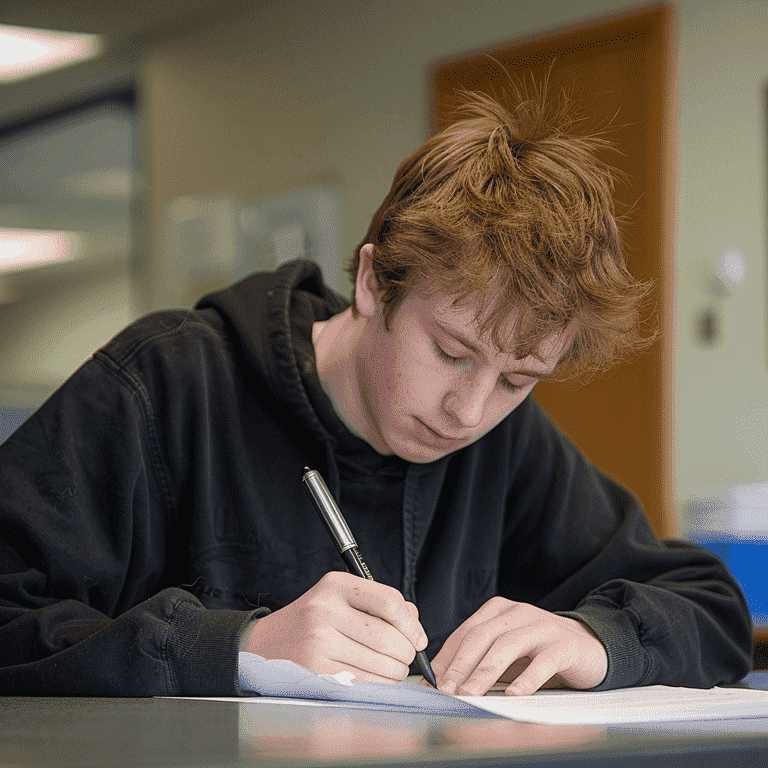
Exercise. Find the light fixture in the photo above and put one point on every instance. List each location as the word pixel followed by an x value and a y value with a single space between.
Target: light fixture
pixel 25 52
pixel 25 248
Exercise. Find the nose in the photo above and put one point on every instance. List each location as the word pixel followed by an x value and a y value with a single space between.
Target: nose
pixel 465 402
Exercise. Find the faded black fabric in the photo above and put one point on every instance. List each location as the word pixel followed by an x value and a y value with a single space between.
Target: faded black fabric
pixel 154 506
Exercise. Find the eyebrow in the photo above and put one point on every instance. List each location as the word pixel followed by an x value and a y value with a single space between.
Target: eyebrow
pixel 474 348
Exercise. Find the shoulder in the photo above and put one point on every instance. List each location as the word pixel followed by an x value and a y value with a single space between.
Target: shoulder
pixel 166 331
pixel 163 349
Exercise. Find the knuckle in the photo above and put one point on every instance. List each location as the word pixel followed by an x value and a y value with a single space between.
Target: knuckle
pixel 329 578
pixel 486 669
pixel 332 581
pixel 392 609
pixel 317 610
pixel 457 671
pixel 399 670
pixel 392 598
pixel 480 635
pixel 314 636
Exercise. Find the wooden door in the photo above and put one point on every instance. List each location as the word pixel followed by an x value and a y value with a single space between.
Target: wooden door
pixel 621 66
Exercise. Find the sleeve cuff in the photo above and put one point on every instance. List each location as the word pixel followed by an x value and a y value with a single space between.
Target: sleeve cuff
pixel 616 630
pixel 202 647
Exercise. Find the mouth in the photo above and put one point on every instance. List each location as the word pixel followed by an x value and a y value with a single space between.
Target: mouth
pixel 440 436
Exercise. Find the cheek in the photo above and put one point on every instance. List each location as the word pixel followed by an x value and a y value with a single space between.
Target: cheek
pixel 419 380
pixel 387 382
pixel 424 390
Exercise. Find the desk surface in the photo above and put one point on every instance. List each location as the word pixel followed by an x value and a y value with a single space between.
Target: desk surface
pixel 172 732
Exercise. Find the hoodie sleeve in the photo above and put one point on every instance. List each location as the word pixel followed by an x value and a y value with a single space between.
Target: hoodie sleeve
pixel 90 602
pixel 578 544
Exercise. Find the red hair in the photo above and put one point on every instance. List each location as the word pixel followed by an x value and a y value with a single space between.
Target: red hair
pixel 510 205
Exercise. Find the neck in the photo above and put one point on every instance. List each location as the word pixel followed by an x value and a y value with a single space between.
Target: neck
pixel 335 342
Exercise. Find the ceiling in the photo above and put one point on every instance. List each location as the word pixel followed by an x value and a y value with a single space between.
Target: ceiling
pixel 115 18
pixel 128 27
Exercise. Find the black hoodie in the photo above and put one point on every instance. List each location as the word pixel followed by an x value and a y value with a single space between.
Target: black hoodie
pixel 153 506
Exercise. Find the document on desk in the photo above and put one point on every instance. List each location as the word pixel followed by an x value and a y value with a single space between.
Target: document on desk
pixel 626 706
pixel 280 681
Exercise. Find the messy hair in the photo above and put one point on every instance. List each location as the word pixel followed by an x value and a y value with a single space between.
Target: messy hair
pixel 510 206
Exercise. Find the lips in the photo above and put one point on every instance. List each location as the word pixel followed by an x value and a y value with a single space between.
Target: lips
pixel 440 435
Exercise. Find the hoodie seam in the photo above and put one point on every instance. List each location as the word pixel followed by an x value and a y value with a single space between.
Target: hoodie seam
pixel 149 422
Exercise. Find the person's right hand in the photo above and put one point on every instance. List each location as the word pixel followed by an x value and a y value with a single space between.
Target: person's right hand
pixel 342 623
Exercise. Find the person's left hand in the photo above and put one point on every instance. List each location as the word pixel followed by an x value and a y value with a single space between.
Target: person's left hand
pixel 517 643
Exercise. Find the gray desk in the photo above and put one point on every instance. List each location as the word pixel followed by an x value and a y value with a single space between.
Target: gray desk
pixel 166 732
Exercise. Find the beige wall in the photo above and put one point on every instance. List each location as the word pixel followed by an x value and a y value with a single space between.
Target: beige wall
pixel 722 390
pixel 297 91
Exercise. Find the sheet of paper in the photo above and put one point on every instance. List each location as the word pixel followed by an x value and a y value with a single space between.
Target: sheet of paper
pixel 280 678
pixel 625 706
pixel 280 681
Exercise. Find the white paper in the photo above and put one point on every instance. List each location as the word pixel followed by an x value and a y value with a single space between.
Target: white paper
pixel 625 706
pixel 281 679
pixel 283 682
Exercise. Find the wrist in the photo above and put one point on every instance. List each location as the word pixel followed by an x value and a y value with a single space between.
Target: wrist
pixel 246 641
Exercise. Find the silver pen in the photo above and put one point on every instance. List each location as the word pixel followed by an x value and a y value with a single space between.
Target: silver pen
pixel 345 542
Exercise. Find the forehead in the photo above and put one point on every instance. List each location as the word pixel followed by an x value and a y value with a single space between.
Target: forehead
pixel 464 317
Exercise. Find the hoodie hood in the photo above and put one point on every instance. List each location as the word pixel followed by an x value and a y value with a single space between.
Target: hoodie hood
pixel 270 315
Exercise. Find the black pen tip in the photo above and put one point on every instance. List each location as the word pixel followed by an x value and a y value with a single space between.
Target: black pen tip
pixel 426 668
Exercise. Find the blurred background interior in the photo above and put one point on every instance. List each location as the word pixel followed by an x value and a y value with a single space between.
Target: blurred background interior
pixel 199 141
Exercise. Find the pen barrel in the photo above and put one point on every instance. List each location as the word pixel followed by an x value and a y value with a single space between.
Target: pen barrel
pixel 356 564
pixel 329 511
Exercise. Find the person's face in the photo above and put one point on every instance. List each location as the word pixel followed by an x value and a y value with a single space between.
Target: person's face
pixel 430 385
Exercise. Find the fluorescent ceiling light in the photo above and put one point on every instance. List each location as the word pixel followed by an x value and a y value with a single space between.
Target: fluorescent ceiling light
pixel 24 248
pixel 25 52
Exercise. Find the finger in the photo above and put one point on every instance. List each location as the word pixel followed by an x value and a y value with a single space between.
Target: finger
pixel 388 604
pixel 471 652
pixel 537 674
pixel 507 649
pixel 377 635
pixel 489 610
pixel 422 639
pixel 513 670
pixel 345 654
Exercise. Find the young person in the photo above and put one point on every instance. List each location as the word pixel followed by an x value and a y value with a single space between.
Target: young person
pixel 152 514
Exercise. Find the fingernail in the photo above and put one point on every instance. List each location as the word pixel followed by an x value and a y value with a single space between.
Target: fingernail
pixel 447 687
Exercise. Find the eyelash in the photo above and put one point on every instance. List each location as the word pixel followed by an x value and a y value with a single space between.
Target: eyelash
pixel 446 358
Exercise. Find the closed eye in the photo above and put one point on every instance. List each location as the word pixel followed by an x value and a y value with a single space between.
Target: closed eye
pixel 446 358
pixel 451 360
pixel 511 386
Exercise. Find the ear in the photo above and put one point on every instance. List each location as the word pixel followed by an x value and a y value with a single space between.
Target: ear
pixel 367 292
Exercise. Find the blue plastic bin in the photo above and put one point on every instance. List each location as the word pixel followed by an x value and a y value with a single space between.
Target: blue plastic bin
pixel 747 560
